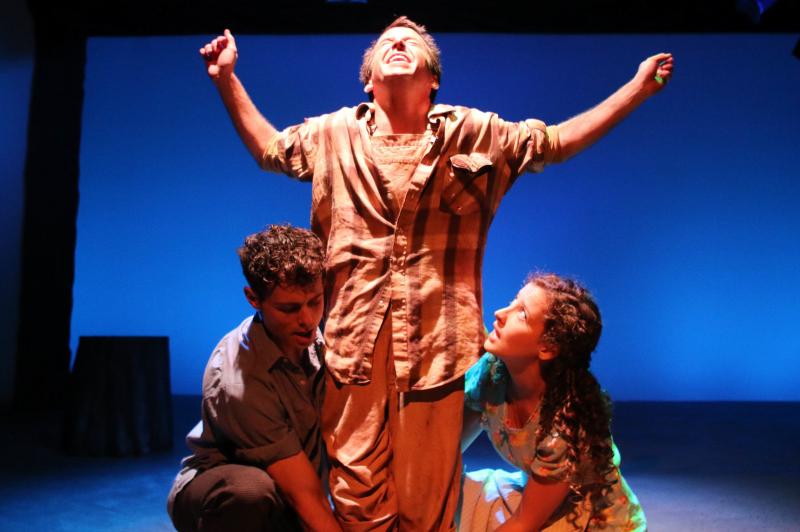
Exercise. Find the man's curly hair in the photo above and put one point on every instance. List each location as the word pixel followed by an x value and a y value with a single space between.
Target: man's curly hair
pixel 281 255
pixel 574 405
pixel 434 65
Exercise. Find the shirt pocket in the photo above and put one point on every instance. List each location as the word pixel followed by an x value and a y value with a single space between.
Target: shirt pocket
pixel 465 187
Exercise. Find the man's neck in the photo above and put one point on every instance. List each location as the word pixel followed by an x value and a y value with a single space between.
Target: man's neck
pixel 400 112
pixel 296 356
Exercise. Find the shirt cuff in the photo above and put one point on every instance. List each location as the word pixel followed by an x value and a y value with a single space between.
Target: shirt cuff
pixel 553 145
pixel 266 455
pixel 270 153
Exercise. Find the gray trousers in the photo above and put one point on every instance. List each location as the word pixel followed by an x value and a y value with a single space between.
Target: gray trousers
pixel 232 497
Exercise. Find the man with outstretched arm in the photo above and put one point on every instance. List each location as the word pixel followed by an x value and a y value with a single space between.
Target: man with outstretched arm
pixel 403 193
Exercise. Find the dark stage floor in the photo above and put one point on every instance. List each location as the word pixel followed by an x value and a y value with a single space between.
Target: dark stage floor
pixel 695 466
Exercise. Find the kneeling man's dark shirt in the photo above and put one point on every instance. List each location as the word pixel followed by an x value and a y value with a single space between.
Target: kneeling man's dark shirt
pixel 258 407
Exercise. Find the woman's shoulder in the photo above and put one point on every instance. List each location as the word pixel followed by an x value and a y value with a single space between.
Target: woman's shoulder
pixel 485 382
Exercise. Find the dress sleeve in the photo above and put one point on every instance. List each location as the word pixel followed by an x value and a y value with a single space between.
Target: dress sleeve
pixel 293 150
pixel 484 383
pixel 550 461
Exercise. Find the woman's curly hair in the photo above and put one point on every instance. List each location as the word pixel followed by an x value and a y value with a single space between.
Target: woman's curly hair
pixel 281 254
pixel 574 405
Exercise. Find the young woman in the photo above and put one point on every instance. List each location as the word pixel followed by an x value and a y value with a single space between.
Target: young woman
pixel 545 413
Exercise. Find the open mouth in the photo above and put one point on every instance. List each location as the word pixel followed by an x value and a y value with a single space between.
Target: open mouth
pixel 398 58
pixel 304 335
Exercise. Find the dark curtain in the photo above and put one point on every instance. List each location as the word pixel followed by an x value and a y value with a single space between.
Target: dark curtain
pixel 50 211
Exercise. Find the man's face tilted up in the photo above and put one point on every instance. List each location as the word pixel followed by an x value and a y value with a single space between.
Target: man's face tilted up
pixel 401 55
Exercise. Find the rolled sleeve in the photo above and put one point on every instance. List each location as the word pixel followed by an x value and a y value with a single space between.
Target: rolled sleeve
pixel 530 145
pixel 254 424
pixel 266 455
pixel 553 145
pixel 293 150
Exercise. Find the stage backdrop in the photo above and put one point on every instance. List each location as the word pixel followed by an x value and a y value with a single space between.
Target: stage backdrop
pixel 683 221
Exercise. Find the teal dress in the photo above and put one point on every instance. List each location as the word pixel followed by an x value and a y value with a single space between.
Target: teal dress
pixel 491 496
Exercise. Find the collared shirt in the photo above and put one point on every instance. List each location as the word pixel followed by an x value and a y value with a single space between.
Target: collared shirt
pixel 422 263
pixel 258 407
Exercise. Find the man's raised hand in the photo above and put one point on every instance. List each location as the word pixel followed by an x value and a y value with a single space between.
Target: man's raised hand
pixel 654 72
pixel 220 55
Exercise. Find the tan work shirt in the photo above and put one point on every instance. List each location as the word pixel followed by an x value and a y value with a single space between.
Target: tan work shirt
pixel 420 261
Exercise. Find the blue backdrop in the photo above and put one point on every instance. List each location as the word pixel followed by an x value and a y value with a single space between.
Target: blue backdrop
pixel 683 221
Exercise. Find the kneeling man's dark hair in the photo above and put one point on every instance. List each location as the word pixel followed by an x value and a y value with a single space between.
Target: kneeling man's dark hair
pixel 281 254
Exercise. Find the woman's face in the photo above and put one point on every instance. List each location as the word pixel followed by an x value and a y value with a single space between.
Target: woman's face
pixel 518 328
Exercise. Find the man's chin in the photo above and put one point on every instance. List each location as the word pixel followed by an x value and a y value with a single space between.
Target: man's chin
pixel 302 340
pixel 398 70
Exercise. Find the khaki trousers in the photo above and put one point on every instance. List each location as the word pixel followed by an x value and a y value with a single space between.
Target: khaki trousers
pixel 395 457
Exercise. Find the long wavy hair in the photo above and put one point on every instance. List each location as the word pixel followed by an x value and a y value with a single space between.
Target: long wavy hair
pixel 574 405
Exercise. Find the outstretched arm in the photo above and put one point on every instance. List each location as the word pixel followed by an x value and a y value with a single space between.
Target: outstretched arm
pixel 220 56
pixel 580 132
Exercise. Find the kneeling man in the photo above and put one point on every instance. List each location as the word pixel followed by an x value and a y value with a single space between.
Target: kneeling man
pixel 258 458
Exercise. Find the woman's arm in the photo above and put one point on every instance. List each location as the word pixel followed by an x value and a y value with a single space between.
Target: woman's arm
pixel 471 428
pixel 539 500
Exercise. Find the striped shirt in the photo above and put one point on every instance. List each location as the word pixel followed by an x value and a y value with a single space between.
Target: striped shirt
pixel 420 262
